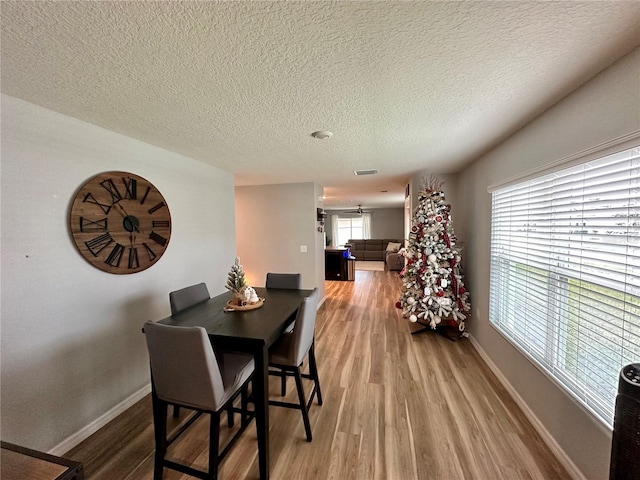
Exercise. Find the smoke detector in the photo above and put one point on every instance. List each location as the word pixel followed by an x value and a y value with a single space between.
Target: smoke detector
pixel 321 134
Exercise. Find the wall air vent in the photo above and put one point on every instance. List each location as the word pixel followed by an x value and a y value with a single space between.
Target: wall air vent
pixel 365 172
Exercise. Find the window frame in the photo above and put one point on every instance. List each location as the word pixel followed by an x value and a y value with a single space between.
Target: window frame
pixel 551 341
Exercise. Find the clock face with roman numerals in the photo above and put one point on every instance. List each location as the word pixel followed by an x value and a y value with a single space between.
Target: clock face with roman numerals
pixel 120 222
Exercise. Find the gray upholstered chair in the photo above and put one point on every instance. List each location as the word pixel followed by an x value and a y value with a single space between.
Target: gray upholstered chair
pixel 289 281
pixel 186 373
pixel 182 299
pixel 188 297
pixel 288 353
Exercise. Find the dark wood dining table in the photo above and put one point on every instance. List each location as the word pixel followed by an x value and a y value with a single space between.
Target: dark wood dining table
pixel 251 331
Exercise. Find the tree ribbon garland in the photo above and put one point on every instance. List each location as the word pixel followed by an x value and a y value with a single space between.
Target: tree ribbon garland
pixel 447 239
pixel 452 275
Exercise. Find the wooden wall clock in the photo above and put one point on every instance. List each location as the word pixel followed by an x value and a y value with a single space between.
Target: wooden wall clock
pixel 120 222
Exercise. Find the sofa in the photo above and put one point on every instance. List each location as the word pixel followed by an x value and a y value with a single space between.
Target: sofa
pixel 376 249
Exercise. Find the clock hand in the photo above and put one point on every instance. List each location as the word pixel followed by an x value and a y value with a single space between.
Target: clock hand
pixel 122 210
pixel 126 216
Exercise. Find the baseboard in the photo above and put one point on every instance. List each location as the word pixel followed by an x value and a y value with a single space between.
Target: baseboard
pixel 321 302
pixel 100 422
pixel 548 439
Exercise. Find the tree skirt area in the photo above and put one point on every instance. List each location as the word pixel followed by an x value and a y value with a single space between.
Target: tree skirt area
pixel 370 265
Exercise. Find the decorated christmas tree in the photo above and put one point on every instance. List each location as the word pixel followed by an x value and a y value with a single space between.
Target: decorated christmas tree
pixel 235 278
pixel 433 292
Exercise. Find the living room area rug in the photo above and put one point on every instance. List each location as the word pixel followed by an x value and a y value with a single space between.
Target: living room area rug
pixel 370 265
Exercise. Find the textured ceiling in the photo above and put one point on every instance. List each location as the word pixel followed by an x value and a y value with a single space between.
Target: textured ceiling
pixel 405 86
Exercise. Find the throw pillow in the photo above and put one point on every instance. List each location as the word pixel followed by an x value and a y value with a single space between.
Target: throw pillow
pixel 393 247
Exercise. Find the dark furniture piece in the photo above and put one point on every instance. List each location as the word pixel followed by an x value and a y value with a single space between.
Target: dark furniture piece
pixel 19 463
pixel 336 264
pixel 253 332
pixel 625 442
pixel 288 353
pixel 186 372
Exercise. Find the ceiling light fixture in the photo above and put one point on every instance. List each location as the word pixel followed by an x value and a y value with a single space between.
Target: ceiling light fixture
pixel 321 134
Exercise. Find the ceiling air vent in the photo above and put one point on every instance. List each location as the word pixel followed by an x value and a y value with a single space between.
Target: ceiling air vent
pixel 365 172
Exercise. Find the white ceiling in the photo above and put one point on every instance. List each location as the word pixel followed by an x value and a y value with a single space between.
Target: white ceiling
pixel 404 86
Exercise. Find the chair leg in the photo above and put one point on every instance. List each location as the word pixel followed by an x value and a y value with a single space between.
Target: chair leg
pixel 303 404
pixel 313 370
pixel 160 433
pixel 176 411
pixel 230 420
pixel 244 406
pixel 214 440
pixel 283 383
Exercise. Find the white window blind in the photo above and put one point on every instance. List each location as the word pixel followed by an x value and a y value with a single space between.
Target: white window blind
pixel 565 273
pixel 353 228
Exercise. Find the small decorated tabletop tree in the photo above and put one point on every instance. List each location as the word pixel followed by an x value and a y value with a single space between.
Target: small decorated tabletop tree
pixel 433 292
pixel 236 282
pixel 235 278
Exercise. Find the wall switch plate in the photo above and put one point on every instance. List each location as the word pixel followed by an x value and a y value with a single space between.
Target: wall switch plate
pixel 303 249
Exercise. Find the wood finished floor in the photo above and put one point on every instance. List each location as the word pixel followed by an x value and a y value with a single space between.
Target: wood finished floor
pixel 396 407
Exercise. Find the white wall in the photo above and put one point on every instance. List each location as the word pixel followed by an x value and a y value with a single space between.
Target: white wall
pixel 605 108
pixel 385 222
pixel 272 222
pixel 72 349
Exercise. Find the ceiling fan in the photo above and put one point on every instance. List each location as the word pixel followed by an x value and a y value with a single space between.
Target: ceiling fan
pixel 359 211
